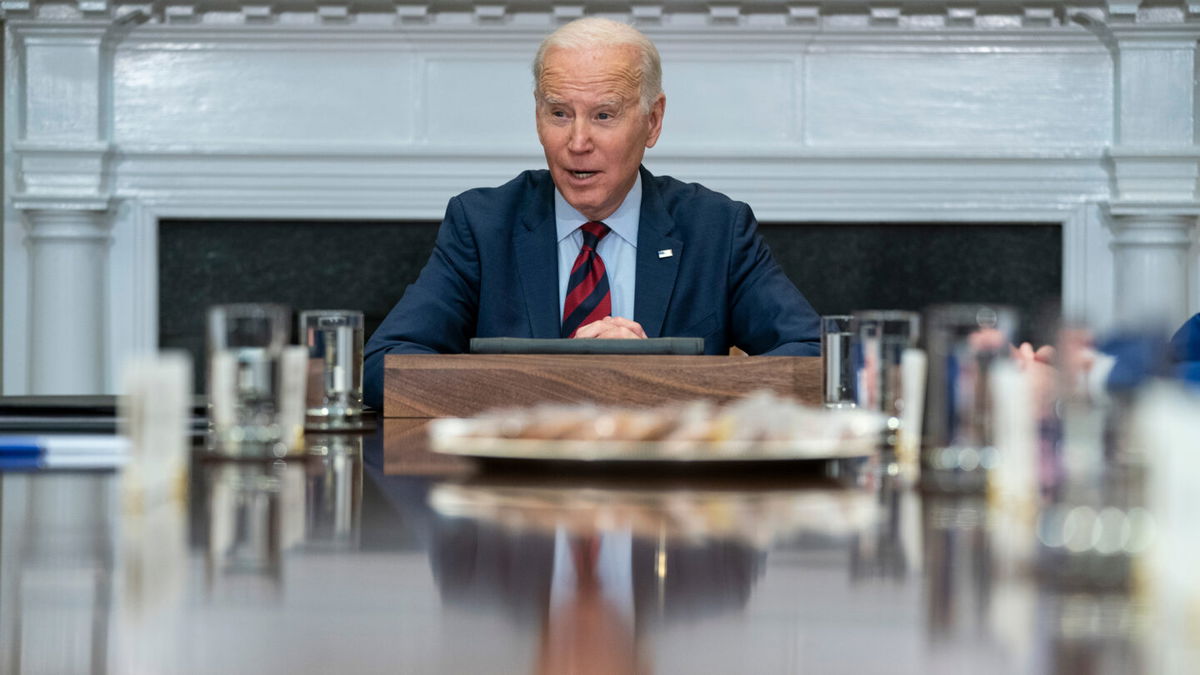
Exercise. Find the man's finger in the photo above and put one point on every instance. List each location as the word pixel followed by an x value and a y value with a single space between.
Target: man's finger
pixel 626 323
pixel 611 328
pixel 590 330
pixel 619 333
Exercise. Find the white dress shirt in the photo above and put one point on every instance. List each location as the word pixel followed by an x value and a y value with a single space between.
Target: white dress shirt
pixel 618 249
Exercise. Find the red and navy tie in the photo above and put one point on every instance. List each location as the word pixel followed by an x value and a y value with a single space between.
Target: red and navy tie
pixel 587 289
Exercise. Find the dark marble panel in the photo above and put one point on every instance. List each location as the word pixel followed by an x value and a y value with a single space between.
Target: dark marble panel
pixel 844 267
pixel 304 265
pixel 367 265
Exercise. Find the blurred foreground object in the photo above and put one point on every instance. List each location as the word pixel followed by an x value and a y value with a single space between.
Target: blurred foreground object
pixel 761 426
pixel 155 413
pixel 882 338
pixel 1165 422
pixel 1185 351
pixel 965 342
pixel 255 382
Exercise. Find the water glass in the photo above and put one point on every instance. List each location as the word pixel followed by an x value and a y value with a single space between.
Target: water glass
pixel 883 337
pixel 245 349
pixel 334 339
pixel 964 343
pixel 837 364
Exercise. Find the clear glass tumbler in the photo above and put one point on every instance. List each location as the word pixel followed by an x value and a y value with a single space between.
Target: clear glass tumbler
pixel 883 337
pixel 837 362
pixel 245 346
pixel 334 339
pixel 965 342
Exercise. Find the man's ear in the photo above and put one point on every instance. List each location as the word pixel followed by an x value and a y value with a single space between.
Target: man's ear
pixel 655 119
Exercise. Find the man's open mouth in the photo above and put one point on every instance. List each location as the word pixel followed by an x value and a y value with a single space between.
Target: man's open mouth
pixel 583 174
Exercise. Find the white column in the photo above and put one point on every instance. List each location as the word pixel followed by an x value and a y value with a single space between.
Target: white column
pixel 1155 161
pixel 68 256
pixel 1151 268
pixel 61 190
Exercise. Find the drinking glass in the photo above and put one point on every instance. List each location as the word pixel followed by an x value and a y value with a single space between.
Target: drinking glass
pixel 837 364
pixel 334 339
pixel 245 349
pixel 964 342
pixel 883 337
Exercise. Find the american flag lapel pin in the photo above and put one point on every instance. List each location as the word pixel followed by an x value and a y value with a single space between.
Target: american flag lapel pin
pixel 666 253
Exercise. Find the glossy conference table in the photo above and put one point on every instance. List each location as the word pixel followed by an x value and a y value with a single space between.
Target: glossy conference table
pixel 376 556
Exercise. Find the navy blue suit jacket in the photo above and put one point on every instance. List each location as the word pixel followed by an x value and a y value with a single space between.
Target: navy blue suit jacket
pixel 494 273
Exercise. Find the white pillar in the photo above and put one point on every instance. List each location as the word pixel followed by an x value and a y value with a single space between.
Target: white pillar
pixel 68 256
pixel 1154 161
pixel 60 156
pixel 1151 269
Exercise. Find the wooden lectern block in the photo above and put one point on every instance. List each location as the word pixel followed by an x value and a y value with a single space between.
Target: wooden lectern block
pixel 460 385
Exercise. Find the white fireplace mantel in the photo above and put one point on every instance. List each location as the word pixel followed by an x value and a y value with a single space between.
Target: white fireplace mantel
pixel 118 114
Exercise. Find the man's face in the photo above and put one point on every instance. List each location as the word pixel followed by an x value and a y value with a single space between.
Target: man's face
pixel 592 127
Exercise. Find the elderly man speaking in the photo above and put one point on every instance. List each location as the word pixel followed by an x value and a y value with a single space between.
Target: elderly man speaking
pixel 596 247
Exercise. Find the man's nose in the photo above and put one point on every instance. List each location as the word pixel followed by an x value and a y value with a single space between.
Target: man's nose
pixel 581 136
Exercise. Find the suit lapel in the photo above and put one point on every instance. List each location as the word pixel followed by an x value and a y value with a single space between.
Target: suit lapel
pixel 537 260
pixel 655 274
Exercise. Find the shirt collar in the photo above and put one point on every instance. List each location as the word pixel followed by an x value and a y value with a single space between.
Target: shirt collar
pixel 623 222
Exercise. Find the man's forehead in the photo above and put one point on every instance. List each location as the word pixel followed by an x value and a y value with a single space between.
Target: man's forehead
pixel 613 80
pixel 584 63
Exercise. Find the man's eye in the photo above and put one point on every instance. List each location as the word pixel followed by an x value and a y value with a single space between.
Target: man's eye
pixel 604 116
pixel 558 113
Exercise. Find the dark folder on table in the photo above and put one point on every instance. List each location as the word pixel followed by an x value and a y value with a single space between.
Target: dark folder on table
pixel 73 413
pixel 678 346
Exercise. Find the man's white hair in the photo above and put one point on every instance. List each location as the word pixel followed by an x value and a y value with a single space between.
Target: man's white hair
pixel 597 32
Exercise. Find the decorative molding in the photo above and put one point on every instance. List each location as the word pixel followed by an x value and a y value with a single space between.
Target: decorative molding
pixel 62 169
pixel 1164 175
pixel 781 185
pixel 70 224
pixel 1152 228
pixel 60 203
pixel 1154 209
pixel 875 14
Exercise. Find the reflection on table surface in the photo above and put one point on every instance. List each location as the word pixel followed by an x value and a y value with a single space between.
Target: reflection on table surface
pixel 348 561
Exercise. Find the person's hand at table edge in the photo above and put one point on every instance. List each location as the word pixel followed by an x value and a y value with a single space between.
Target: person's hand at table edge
pixel 611 327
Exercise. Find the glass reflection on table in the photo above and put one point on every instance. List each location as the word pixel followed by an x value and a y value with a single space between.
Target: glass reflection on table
pixel 258 510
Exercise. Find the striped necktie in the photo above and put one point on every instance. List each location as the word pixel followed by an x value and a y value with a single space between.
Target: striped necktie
pixel 587 290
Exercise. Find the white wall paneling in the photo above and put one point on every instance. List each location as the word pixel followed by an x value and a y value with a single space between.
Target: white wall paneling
pixel 119 114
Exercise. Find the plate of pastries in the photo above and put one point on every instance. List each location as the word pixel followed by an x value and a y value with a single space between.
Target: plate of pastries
pixel 759 427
